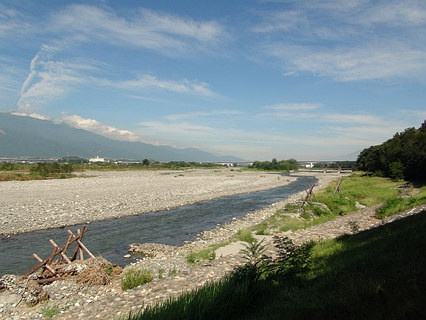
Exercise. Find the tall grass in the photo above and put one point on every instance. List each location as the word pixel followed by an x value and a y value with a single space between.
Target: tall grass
pixel 134 277
pixel 375 274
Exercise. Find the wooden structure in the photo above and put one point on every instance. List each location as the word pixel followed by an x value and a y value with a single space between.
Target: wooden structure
pixel 309 193
pixel 337 190
pixel 59 256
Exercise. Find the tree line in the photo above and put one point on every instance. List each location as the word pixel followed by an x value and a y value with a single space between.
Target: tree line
pixel 401 157
pixel 286 165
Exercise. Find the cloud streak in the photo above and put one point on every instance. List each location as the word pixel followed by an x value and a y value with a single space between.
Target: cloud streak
pixel 347 41
pixel 147 29
pixel 148 81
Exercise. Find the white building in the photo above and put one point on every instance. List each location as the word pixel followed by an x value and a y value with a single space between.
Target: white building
pixel 97 160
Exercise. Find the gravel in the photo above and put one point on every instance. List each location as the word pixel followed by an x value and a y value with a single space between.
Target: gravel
pixel 41 204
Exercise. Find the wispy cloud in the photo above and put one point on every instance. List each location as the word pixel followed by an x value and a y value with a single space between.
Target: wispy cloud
pixel 48 79
pixel 352 63
pixel 294 106
pixel 33 115
pixel 347 41
pixel 100 128
pixel 148 29
pixel 148 81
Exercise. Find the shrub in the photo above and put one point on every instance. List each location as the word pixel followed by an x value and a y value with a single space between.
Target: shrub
pixel 205 254
pixel 245 235
pixel 50 312
pixel 134 277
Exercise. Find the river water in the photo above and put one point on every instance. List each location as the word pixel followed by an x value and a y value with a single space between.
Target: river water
pixel 110 238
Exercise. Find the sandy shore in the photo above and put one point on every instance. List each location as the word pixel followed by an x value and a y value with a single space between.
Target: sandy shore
pixel 33 205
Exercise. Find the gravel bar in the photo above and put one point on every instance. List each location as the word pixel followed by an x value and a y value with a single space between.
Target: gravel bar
pixel 41 204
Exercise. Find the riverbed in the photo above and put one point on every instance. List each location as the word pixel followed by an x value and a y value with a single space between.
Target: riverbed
pixel 34 205
pixel 111 237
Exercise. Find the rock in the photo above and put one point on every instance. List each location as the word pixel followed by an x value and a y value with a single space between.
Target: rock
pixel 151 250
pixel 34 294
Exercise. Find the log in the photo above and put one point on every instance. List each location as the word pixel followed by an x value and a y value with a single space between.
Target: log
pixel 44 263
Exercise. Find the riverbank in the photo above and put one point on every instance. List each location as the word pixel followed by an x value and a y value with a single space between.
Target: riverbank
pixel 34 205
pixel 172 274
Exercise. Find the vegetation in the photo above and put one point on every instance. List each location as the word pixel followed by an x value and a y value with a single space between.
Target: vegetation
pixel 146 165
pixel 402 157
pixel 245 235
pixel 37 171
pixel 283 165
pixel 134 277
pixel 205 254
pixel 50 312
pixel 375 274
pixel 355 190
pixel 201 255
pixel 402 203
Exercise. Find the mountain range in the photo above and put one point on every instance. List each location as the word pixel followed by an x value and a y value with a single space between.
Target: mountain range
pixel 29 137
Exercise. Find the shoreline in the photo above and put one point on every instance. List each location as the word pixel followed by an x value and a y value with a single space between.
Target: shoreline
pixel 60 203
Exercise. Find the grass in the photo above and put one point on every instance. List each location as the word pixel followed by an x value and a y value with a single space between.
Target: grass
pixel 205 254
pixel 134 277
pixel 245 235
pixel 375 274
pixel 398 204
pixel 327 205
pixel 50 312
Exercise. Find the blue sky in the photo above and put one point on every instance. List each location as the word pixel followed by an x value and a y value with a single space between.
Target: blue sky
pixel 254 79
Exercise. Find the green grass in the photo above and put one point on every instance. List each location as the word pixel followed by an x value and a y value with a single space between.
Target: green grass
pixel 365 190
pixel 245 235
pixel 134 277
pixel 50 312
pixel 398 204
pixel 205 254
pixel 375 274
pixel 368 191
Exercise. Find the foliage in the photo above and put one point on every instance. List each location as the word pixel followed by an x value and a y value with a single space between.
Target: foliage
pixel 134 277
pixel 50 312
pixel 245 235
pixel 403 156
pixel 375 274
pixel 398 204
pixel 284 165
pixel 201 255
pixel 205 254
pixel 48 169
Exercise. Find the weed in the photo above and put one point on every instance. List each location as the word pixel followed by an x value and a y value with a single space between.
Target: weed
pixel 50 312
pixel 134 277
pixel 245 236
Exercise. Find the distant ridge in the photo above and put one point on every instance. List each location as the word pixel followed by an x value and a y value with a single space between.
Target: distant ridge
pixel 28 137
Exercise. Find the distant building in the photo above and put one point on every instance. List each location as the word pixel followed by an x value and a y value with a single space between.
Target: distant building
pixel 97 160
pixel 309 165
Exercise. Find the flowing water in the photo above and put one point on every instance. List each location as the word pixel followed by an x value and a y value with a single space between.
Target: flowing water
pixel 110 238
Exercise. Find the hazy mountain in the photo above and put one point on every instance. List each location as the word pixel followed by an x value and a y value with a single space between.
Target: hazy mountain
pixel 29 137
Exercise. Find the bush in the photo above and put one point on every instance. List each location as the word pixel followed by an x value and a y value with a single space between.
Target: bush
pixel 134 277
pixel 245 235
pixel 48 169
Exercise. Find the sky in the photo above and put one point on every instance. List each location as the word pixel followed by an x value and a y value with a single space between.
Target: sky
pixel 255 79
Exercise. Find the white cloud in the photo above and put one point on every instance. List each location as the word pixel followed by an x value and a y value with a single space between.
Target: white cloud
pixel 49 79
pixel 396 13
pixel 354 63
pixel 145 28
pixel 365 119
pixel 34 115
pixel 100 128
pixel 347 41
pixel 294 106
pixel 148 81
